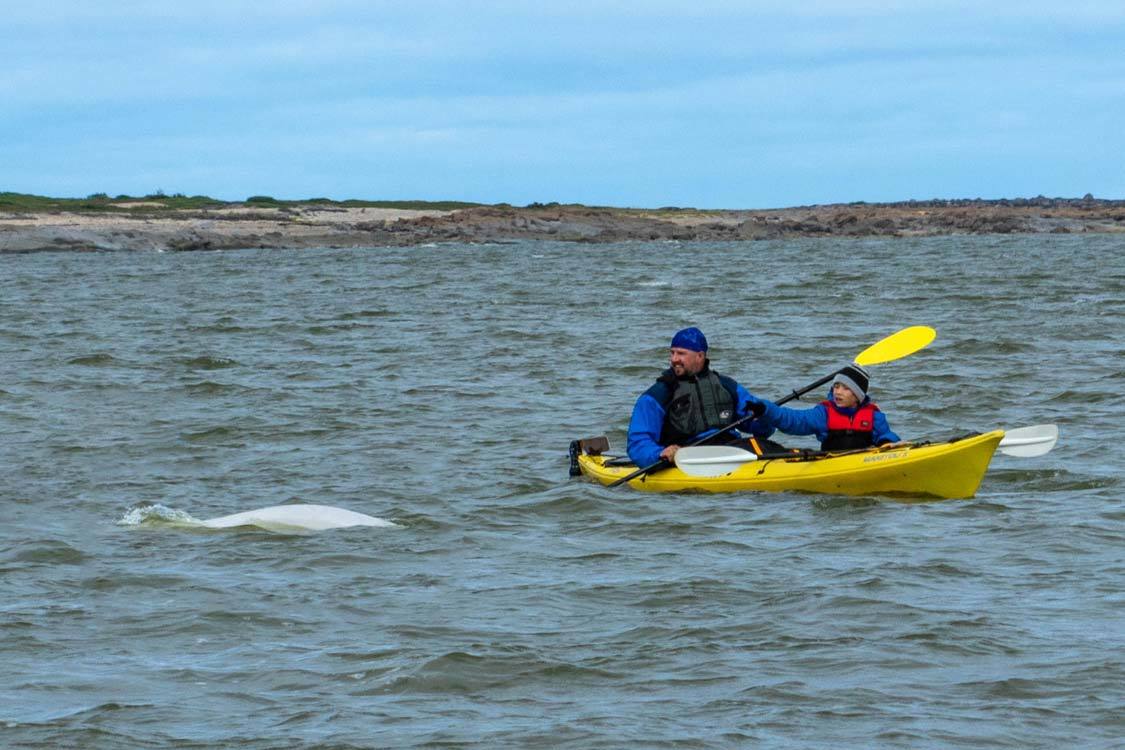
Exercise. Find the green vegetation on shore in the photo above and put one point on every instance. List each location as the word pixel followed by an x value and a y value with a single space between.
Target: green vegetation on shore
pixel 102 202
pixel 158 201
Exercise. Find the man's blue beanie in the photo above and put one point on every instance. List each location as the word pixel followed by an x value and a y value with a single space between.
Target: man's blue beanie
pixel 690 338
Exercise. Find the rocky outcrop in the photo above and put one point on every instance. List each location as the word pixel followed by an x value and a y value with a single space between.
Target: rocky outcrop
pixel 323 226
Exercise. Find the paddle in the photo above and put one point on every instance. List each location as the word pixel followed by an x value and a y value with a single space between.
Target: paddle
pixel 711 460
pixel 717 460
pixel 896 346
pixel 1027 442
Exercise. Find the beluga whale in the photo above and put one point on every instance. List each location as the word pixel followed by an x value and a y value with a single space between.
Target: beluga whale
pixel 279 518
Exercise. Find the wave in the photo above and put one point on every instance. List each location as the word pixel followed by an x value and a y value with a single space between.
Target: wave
pixel 210 388
pixel 361 314
pixel 206 362
pixel 42 552
pixel 460 671
pixel 92 360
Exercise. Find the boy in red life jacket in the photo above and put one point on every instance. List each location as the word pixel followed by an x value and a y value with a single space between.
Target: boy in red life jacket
pixel 847 420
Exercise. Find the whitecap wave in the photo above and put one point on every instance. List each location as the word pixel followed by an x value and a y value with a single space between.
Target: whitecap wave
pixel 157 515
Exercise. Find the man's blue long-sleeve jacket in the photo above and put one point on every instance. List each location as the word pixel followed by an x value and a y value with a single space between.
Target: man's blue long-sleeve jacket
pixel 647 422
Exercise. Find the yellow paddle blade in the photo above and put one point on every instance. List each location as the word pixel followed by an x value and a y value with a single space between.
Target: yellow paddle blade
pixel 897 345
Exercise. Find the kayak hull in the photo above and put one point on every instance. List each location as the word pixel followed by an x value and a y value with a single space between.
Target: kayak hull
pixel 947 470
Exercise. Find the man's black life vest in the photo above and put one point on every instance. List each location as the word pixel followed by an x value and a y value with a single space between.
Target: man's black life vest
pixel 705 401
pixel 849 433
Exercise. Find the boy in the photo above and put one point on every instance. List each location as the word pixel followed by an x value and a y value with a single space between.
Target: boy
pixel 848 420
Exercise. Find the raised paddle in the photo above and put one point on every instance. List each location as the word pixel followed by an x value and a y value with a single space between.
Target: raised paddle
pixel 896 346
pixel 717 460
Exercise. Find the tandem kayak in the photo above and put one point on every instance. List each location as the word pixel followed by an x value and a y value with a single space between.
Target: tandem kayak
pixel 950 469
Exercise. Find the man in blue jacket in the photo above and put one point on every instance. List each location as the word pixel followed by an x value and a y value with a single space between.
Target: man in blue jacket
pixel 688 402
pixel 847 420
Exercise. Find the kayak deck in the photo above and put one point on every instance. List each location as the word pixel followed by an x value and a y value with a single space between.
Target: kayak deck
pixel 952 469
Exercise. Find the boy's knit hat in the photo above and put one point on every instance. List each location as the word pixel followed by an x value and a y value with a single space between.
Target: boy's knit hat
pixel 855 379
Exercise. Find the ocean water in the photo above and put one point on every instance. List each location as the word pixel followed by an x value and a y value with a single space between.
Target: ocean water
pixel 511 606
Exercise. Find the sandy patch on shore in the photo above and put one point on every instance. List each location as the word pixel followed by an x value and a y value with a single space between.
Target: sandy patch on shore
pixel 333 215
pixel 233 227
pixel 695 218
pixel 242 217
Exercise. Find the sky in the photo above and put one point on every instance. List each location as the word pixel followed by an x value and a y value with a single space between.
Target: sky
pixel 706 104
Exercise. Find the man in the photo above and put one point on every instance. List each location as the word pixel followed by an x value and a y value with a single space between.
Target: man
pixel 687 402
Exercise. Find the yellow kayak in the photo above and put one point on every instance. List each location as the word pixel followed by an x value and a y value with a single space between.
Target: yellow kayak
pixel 950 470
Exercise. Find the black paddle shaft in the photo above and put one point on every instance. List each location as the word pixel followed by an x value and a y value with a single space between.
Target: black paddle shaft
pixel 664 463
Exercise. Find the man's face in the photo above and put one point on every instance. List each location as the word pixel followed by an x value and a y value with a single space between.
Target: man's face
pixel 685 361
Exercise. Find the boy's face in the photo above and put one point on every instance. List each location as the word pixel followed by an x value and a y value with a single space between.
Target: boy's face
pixel 844 397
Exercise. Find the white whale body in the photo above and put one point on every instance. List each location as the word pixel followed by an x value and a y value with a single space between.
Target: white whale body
pixel 310 517
pixel 281 518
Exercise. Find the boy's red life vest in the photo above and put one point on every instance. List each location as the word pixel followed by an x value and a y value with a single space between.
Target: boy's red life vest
pixel 849 433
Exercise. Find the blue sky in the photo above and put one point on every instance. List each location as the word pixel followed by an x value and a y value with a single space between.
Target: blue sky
pixel 707 104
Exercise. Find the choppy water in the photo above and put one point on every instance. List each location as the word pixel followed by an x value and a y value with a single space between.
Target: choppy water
pixel 438 388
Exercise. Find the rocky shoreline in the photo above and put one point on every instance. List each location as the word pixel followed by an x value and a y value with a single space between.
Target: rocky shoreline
pixel 149 226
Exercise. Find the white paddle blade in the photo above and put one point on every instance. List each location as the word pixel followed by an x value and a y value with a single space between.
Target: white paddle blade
pixel 1027 442
pixel 711 460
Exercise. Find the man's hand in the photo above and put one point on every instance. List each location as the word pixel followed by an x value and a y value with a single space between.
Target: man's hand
pixel 669 453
